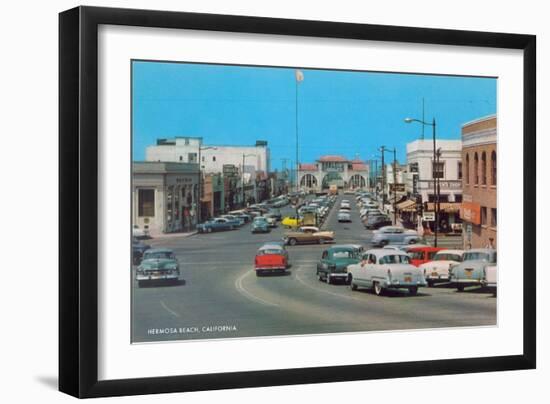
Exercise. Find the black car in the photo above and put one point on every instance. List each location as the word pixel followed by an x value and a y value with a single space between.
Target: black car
pixel 376 222
pixel 138 248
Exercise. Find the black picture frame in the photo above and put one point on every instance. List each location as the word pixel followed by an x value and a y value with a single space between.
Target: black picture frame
pixel 78 196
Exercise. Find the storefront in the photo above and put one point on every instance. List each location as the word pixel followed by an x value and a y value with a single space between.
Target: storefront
pixel 164 196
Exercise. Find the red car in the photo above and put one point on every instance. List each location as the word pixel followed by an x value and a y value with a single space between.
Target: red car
pixel 271 257
pixel 421 255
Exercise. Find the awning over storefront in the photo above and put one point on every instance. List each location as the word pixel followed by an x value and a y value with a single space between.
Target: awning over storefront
pixel 406 206
pixel 449 207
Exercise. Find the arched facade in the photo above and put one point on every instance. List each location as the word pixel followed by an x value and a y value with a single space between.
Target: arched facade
pixel 333 170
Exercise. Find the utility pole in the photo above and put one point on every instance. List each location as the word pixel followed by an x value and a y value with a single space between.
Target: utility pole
pixel 394 187
pixel 382 149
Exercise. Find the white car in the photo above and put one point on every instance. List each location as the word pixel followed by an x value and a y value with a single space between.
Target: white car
pixel 490 280
pixel 439 269
pixel 345 205
pixel 383 269
pixel 344 216
pixel 139 233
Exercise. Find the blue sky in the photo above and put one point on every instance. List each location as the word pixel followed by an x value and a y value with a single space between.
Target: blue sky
pixel 339 112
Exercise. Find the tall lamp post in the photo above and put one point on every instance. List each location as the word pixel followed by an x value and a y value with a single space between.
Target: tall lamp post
pixel 299 78
pixel 375 176
pixel 435 173
pixel 242 176
pixel 199 206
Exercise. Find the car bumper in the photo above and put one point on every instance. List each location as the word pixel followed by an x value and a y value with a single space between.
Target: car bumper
pixel 266 269
pixel 438 277
pixel 167 277
pixel 398 284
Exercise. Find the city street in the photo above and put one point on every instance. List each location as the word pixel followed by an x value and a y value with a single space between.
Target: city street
pixel 219 295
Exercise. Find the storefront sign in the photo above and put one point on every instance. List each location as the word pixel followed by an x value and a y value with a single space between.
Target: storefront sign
pixel 429 216
pixel 471 212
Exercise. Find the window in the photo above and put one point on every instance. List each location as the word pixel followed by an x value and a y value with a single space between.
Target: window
pixel 146 202
pixel 460 170
pixel 438 170
pixel 458 198
pixel 467 168
pixel 493 217
pixel 476 169
pixel 213 158
pixel 483 215
pixel 181 158
pixel 186 141
pixel 493 168
pixel 202 159
pixel 395 259
pixel 191 157
pixel 483 169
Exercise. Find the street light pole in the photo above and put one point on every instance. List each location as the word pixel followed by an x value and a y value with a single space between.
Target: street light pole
pixel 434 174
pixel 394 187
pixel 382 149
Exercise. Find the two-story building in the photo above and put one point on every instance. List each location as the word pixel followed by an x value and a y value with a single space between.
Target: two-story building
pixel 333 170
pixel 479 206
pixel 419 180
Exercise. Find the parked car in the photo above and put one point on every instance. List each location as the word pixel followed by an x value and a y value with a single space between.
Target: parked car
pixel 276 213
pixel 308 234
pixel 241 215
pixel 271 220
pixel 490 281
pixel 357 247
pixel 438 270
pixel 138 248
pixel 344 216
pixel 270 258
pixel 260 224
pixel 158 264
pixel 234 219
pixel 382 269
pixel 471 271
pixel 292 221
pixel 377 221
pixel 217 224
pixel 421 255
pixel 139 233
pixel 334 262
pixel 394 235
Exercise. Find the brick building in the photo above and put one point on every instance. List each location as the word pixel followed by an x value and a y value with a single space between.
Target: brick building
pixel 479 159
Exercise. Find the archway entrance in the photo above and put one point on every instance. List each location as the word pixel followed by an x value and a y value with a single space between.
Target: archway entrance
pixel 333 178
pixel 308 181
pixel 357 181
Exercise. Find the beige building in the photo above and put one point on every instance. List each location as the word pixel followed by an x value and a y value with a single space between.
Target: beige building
pixel 333 170
pixel 479 206
pixel 164 196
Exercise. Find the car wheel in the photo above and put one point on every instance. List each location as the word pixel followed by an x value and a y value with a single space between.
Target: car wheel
pixel 329 279
pixel 413 290
pixel 319 277
pixel 292 241
pixel 378 289
pixel 384 242
pixel 460 288
pixel 352 285
pixel 430 284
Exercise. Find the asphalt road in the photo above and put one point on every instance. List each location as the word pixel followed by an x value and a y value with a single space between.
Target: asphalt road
pixel 219 295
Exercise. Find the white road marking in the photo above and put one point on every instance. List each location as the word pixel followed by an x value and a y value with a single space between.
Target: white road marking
pixel 240 288
pixel 168 309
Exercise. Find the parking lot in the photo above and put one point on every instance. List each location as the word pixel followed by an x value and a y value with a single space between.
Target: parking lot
pixel 219 296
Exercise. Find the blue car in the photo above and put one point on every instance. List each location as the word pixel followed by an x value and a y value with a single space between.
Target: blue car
pixel 471 271
pixel 218 224
pixel 260 225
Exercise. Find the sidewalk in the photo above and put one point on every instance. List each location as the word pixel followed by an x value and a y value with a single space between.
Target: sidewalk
pixel 168 236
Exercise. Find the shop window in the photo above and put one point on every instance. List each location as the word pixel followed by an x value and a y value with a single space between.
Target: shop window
pixel 146 202
pixel 483 215
pixel 493 168
pixel 493 217
pixel 458 198
pixel 483 169
pixel 438 170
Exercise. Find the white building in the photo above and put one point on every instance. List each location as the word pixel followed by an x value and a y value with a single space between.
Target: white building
pixel 333 170
pixel 213 157
pixel 419 178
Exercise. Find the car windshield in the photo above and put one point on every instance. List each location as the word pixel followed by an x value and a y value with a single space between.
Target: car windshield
pixel 417 255
pixel 476 256
pixel 260 220
pixel 448 257
pixel 343 254
pixel 158 255
pixel 266 251
pixel 395 259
